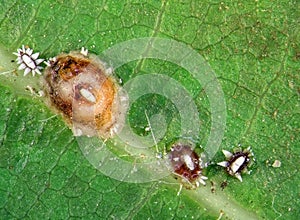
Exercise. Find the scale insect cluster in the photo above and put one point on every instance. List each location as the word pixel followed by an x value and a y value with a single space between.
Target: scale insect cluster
pixel 85 92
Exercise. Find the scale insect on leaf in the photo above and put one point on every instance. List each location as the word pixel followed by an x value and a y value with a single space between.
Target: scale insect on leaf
pixel 79 86
pixel 186 164
pixel 237 162
pixel 28 61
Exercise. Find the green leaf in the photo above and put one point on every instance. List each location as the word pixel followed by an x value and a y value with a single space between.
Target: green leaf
pixel 253 47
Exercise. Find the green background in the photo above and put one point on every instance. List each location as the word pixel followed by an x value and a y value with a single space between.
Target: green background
pixel 253 47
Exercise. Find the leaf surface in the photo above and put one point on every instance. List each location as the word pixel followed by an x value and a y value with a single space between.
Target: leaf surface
pixel 253 47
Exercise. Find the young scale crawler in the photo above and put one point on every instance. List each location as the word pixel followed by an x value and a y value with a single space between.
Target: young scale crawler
pixel 28 61
pixel 237 163
pixel 186 165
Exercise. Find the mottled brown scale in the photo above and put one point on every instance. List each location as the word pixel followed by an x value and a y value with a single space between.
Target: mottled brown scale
pixel 63 106
pixel 185 164
pixel 180 167
pixel 64 68
pixel 69 66
pixel 67 77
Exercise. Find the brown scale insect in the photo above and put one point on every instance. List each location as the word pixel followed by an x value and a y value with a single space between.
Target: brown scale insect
pixel 84 91
pixel 186 164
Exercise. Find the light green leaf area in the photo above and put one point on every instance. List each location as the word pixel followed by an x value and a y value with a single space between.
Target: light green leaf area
pixel 253 47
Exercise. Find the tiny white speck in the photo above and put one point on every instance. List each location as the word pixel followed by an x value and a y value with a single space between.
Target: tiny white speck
pixel 84 51
pixel 176 159
pixel 41 93
pixel 277 163
pixel 134 170
pixel 109 71
pixel 77 132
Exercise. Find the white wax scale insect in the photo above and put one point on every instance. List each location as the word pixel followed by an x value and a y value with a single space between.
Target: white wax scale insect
pixel 237 162
pixel 28 61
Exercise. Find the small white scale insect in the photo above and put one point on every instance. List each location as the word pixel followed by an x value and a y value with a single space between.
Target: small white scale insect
pixel 28 61
pixel 237 162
